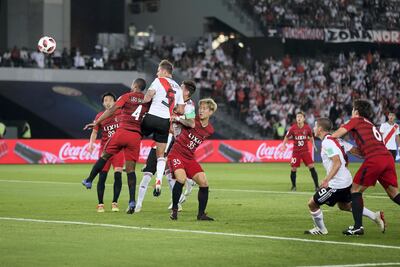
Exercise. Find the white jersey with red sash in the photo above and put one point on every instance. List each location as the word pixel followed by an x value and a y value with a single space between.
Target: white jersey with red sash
pixel 389 133
pixel 168 94
pixel 329 148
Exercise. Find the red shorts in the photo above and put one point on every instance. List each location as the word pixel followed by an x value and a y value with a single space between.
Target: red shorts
pixel 128 141
pixel 297 158
pixel 116 160
pixel 176 162
pixel 378 168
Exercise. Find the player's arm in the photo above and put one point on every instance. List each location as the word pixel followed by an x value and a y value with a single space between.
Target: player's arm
pixel 356 152
pixel 92 139
pixel 186 122
pixel 284 143
pixel 313 143
pixel 336 163
pixel 339 132
pixel 149 95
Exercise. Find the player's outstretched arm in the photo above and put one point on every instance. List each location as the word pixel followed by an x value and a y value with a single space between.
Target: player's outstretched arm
pixel 284 143
pixel 108 113
pixel 149 95
pixel 339 132
pixel 92 139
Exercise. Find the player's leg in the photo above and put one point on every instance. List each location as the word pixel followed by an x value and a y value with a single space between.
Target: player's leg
pixel 180 177
pixel 101 185
pixel 393 193
pixel 294 164
pixel 389 182
pixel 201 179
pixel 310 164
pixel 160 167
pixel 357 207
pixel 97 167
pixel 148 172
pixel 318 219
pixel 130 172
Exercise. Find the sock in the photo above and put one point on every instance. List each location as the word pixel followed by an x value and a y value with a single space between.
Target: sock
pixel 357 207
pixel 396 199
pixel 318 218
pixel 160 169
pixel 97 167
pixel 101 185
pixel 203 199
pixel 143 187
pixel 171 181
pixel 117 186
pixel 132 185
pixel 370 214
pixel 314 176
pixel 189 186
pixel 293 178
pixel 176 194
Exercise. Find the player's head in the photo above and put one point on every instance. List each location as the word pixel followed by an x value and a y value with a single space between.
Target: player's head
pixel 165 69
pixel 207 107
pixel 322 126
pixel 391 117
pixel 362 108
pixel 300 117
pixel 108 100
pixel 138 85
pixel 188 88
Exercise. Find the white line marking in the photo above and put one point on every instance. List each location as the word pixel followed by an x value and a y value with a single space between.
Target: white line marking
pixel 202 232
pixel 368 195
pixel 358 265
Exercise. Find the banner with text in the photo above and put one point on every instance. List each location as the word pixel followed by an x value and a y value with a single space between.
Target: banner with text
pixel 23 151
pixel 370 36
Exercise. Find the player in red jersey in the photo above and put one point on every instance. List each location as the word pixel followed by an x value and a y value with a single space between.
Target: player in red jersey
pixel 127 136
pixel 377 166
pixel 300 133
pixel 181 161
pixel 108 128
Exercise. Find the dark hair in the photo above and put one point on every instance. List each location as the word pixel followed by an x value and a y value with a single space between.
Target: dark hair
pixel 191 86
pixel 325 124
pixel 140 83
pixel 302 113
pixel 108 94
pixel 166 65
pixel 364 108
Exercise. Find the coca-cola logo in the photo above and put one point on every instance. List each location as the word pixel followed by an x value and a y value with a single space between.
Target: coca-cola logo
pixel 70 152
pixel 274 152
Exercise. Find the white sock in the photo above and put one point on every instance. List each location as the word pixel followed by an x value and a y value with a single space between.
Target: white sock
pixel 318 218
pixel 160 169
pixel 143 187
pixel 171 182
pixel 369 214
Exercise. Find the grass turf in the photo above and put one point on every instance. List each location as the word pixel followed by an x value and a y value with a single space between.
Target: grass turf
pixel 54 192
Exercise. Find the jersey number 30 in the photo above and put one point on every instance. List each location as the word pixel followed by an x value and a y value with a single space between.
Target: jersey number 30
pixel 136 113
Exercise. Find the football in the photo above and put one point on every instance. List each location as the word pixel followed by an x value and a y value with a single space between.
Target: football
pixel 47 45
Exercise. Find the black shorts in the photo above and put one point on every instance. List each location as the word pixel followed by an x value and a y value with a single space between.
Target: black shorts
pixel 394 154
pixel 157 126
pixel 330 196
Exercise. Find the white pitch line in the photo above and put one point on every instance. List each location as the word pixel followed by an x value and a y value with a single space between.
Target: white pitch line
pixel 371 195
pixel 203 232
pixel 358 265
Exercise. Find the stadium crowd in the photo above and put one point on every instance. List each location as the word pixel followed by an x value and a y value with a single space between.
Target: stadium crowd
pixel 267 95
pixel 350 14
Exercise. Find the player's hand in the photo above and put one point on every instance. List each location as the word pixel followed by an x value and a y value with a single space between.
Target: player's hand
pixel 324 183
pixel 89 126
pixel 91 147
pixel 283 147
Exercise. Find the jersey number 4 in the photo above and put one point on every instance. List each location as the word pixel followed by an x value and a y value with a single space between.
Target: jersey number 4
pixel 136 113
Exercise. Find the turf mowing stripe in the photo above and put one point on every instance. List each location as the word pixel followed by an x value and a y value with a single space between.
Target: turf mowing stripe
pixel 215 189
pixel 358 265
pixel 201 232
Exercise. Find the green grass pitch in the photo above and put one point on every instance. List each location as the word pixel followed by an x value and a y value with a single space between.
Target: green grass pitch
pixel 251 202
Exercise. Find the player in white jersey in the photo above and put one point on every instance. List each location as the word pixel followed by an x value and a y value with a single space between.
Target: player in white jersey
pixel 390 133
pixel 188 89
pixel 335 188
pixel 166 97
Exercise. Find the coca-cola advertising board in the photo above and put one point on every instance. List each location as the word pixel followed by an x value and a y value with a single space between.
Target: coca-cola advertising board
pixel 52 151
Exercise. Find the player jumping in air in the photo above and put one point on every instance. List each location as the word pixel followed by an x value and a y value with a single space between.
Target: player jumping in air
pixel 127 137
pixel 181 161
pixel 188 89
pixel 300 133
pixel 335 188
pixel 377 166
pixel 108 128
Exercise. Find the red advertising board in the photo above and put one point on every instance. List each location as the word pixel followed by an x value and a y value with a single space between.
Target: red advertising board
pixel 52 151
